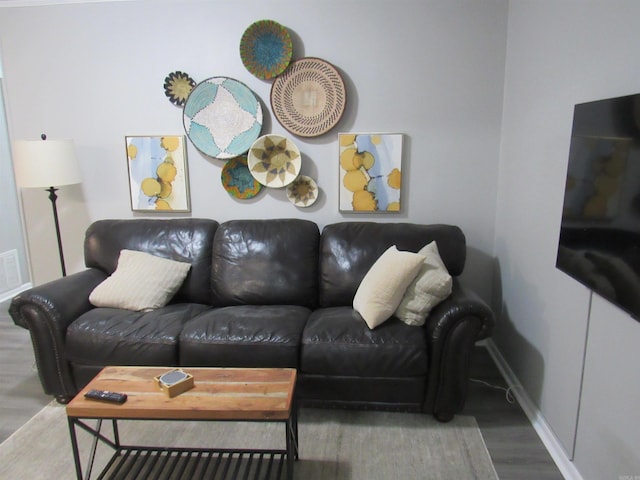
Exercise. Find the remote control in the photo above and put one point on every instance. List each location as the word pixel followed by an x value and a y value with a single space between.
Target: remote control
pixel 106 396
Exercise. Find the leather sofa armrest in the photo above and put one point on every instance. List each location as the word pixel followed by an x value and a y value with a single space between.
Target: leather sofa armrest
pixel 462 303
pixel 46 311
pixel 452 330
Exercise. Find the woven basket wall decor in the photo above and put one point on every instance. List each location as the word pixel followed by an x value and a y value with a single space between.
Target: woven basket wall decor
pixel 309 98
pixel 222 117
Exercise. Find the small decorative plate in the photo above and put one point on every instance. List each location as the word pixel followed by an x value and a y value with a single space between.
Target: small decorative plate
pixel 274 161
pixel 303 191
pixel 222 117
pixel 309 98
pixel 237 179
pixel 266 49
pixel 178 86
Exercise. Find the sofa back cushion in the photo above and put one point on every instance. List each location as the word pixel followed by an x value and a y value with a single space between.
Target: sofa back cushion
pixel 349 249
pixel 184 240
pixel 265 262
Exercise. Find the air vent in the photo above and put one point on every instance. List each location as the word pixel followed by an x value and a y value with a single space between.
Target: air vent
pixel 9 271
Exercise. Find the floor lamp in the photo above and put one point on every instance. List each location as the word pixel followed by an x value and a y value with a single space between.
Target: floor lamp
pixel 47 163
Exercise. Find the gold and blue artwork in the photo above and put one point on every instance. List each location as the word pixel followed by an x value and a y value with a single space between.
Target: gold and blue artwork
pixel 266 49
pixel 158 179
pixel 370 172
pixel 237 179
pixel 222 117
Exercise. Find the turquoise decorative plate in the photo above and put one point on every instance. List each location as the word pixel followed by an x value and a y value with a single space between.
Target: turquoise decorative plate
pixel 303 191
pixel 266 49
pixel 274 161
pixel 237 179
pixel 222 117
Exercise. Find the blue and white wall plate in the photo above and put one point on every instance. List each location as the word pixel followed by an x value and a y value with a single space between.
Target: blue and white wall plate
pixel 222 117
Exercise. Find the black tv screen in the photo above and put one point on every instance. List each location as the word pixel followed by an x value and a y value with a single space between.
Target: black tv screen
pixel 599 241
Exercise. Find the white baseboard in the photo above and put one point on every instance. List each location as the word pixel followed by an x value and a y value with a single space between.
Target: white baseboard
pixel 6 296
pixel 542 428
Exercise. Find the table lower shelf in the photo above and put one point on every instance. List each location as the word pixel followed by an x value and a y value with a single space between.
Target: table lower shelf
pixel 133 462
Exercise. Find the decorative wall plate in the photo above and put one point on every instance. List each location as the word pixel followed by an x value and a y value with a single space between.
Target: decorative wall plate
pixel 309 98
pixel 274 161
pixel 266 49
pixel 303 191
pixel 222 117
pixel 177 87
pixel 237 179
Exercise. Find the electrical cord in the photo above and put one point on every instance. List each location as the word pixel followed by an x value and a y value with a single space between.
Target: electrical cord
pixel 508 395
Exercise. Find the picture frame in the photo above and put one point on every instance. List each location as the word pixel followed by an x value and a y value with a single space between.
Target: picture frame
pixel 370 172
pixel 158 173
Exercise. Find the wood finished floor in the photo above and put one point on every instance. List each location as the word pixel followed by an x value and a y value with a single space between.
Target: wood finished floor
pixel 515 448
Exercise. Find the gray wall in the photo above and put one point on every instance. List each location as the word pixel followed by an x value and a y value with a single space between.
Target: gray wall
pixel 431 70
pixel 560 54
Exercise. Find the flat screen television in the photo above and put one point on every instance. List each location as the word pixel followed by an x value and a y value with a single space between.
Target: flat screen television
pixel 599 243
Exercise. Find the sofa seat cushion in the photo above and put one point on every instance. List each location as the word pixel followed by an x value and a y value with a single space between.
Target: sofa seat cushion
pixel 113 336
pixel 336 341
pixel 244 336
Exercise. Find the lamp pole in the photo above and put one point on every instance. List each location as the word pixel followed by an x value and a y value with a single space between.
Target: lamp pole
pixel 53 197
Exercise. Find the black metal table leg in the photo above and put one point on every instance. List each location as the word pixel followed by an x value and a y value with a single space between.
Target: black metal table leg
pixel 92 453
pixel 294 413
pixel 291 446
pixel 74 447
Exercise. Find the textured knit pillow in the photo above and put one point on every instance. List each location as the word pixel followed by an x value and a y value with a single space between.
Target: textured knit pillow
pixel 383 287
pixel 141 281
pixel 430 287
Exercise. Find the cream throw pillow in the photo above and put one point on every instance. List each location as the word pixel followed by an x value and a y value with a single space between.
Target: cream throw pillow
pixel 141 281
pixel 430 287
pixel 383 287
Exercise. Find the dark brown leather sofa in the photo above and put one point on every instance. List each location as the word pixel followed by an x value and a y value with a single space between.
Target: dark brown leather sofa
pixel 263 293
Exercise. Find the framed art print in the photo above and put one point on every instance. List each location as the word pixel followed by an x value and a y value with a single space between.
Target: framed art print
pixel 370 172
pixel 158 177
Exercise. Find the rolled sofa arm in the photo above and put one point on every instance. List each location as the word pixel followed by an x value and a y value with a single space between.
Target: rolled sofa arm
pixel 46 311
pixel 452 330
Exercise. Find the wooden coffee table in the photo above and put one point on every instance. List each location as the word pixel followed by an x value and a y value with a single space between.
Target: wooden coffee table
pixel 229 394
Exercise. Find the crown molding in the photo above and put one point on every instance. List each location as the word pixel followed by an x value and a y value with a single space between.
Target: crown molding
pixel 41 3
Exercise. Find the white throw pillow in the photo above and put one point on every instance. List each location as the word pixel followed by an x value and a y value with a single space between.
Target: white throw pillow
pixel 430 287
pixel 140 282
pixel 383 287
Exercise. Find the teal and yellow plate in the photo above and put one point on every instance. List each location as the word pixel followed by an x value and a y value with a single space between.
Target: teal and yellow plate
pixel 266 49
pixel 237 179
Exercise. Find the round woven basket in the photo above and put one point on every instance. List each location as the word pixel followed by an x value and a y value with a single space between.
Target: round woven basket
pixel 222 117
pixel 266 49
pixel 309 98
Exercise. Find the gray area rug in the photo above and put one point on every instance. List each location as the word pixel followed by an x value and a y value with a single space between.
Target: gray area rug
pixel 334 444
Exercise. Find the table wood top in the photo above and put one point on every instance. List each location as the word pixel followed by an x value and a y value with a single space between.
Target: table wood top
pixel 218 394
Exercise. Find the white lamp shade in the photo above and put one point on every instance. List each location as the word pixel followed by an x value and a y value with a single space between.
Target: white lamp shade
pixel 45 163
